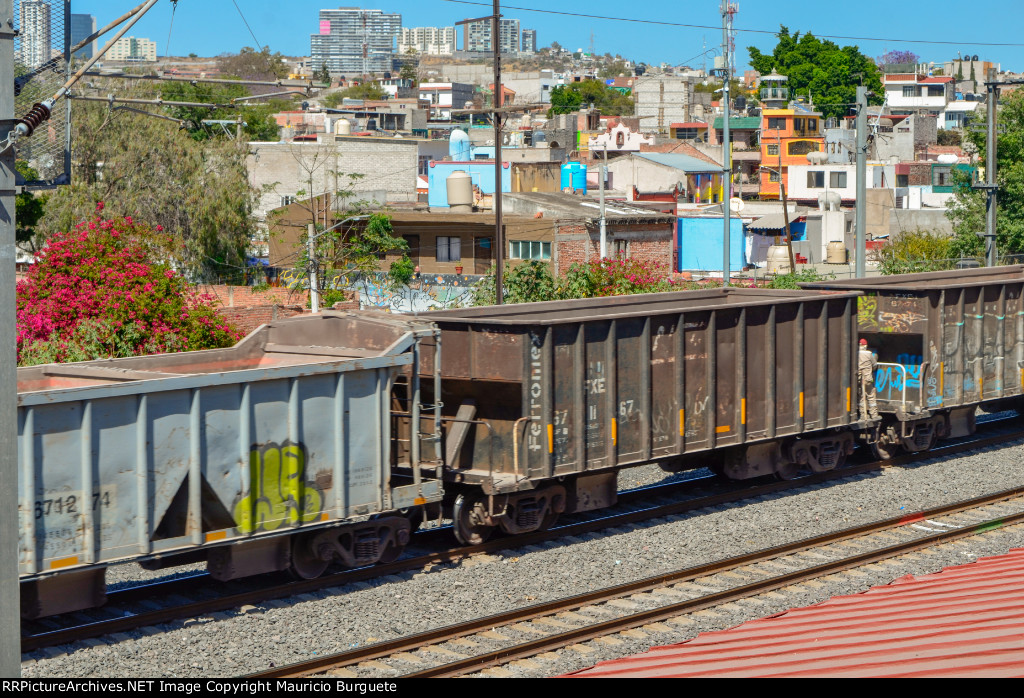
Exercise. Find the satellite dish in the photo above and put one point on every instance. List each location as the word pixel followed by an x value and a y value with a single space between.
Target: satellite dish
pixel 736 204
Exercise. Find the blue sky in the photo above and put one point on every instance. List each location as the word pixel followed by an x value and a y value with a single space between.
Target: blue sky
pixel 210 27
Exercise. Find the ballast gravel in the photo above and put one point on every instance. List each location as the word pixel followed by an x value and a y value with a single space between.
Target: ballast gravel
pixel 282 632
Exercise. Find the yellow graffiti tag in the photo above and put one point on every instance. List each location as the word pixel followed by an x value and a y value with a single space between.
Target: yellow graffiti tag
pixel 867 309
pixel 278 494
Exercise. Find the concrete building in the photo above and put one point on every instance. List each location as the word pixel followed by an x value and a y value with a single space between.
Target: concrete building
pixel 431 41
pixel 529 44
pixel 689 179
pixel 789 131
pixel 81 27
pixel 906 93
pixel 355 41
pixel 445 96
pixel 34 36
pixel 662 100
pixel 133 50
pixel 386 168
pixel 476 36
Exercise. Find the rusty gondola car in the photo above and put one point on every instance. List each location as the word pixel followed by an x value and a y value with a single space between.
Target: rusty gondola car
pixel 273 454
pixel 545 402
pixel 947 343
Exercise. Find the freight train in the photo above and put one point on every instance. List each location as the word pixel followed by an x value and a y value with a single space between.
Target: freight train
pixel 322 439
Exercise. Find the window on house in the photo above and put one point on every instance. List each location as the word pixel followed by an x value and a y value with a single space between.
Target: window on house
pixel 424 164
pixel 902 180
pixel 449 249
pixel 815 179
pixel 529 249
pixel 910 90
pixel 837 180
pixel 413 241
pixel 773 176
pixel 773 149
pixel 801 147
pixel 621 248
pixel 936 90
pixel 812 124
pixel 798 124
pixel 941 176
pixel 287 200
pixel 776 122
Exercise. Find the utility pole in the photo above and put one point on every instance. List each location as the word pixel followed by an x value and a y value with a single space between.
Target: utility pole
pixel 604 229
pixel 862 184
pixel 314 290
pixel 728 10
pixel 499 241
pixel 10 603
pixel 991 188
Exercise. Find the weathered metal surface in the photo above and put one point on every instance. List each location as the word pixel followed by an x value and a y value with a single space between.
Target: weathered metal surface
pixel 961 622
pixel 290 428
pixel 620 381
pixel 950 338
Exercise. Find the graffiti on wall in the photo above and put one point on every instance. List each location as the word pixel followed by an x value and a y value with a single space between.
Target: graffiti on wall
pixel 278 494
pixel 890 381
pixel 434 292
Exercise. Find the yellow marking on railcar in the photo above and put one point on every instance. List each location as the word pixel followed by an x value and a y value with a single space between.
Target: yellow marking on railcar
pixel 743 410
pixel 64 562
pixel 722 430
pixel 615 433
pixel 324 516
pixel 417 502
pixel 849 403
pixel 682 422
pixel 551 438
pixel 801 404
pixel 216 535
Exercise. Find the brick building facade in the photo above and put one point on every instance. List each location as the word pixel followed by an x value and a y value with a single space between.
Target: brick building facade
pixel 579 242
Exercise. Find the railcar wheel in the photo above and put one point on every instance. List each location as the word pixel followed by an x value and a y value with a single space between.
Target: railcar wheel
pixel 305 562
pixel 550 519
pixel 391 553
pixel 886 447
pixel 465 521
pixel 788 470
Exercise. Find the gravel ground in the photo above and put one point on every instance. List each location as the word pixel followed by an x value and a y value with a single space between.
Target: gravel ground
pixel 283 632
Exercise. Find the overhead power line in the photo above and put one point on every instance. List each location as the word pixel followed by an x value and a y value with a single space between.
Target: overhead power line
pixel 772 32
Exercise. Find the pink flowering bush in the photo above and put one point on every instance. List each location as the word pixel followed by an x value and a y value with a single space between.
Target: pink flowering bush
pixel 616 277
pixel 97 291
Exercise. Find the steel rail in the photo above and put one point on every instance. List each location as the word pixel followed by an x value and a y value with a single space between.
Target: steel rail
pixel 192 584
pixel 589 632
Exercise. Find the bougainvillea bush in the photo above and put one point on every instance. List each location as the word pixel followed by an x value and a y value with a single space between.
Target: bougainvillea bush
pixel 99 291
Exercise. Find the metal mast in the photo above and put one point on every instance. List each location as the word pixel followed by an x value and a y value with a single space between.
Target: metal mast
pixel 499 244
pixel 728 10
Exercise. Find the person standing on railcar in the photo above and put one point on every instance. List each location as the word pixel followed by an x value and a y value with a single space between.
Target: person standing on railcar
pixel 866 365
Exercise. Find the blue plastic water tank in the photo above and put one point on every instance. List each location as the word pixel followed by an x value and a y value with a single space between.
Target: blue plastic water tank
pixel 458 146
pixel 574 177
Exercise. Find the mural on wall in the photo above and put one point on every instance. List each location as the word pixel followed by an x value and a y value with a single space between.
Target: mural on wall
pixel 429 292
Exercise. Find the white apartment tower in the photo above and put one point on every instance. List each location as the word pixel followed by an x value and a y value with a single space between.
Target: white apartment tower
pixel 34 33
pixel 432 41
pixel 355 41
pixel 476 36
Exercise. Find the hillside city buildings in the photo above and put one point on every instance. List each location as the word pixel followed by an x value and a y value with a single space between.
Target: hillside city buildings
pixel 35 33
pixel 355 41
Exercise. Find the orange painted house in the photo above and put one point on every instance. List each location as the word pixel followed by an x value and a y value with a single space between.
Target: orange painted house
pixel 788 133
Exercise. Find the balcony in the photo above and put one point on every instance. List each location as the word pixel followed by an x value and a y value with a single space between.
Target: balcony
pixel 775 93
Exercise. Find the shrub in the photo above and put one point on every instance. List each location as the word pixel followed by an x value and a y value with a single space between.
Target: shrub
pixel 98 291
pixel 914 251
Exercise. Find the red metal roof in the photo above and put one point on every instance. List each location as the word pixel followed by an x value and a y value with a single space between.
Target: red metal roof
pixel 965 621
pixel 689 124
pixel 945 78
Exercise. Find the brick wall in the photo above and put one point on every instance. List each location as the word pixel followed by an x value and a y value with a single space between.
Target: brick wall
pixel 248 319
pixel 580 243
pixel 245 296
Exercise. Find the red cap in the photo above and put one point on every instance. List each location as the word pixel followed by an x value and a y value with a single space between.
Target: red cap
pixel 863 342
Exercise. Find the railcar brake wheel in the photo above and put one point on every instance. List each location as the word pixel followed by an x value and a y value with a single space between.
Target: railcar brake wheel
pixel 305 563
pixel 468 530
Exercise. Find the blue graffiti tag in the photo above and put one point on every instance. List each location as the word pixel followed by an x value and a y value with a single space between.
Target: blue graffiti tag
pixel 890 379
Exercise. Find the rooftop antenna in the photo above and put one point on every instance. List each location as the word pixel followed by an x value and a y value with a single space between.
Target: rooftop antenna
pixel 591 42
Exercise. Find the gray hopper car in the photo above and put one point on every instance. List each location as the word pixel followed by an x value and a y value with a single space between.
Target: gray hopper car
pixel 273 454
pixel 946 342
pixel 546 401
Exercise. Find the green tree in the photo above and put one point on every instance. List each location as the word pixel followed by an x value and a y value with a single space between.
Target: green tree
pixel 967 208
pixel 140 165
pixel 250 64
pixel 822 69
pixel 409 63
pixel 569 98
pixel 910 252
pixel 324 75
pixel 257 117
pixel 28 207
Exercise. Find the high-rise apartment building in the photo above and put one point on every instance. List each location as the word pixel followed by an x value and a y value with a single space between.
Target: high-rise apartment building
pixel 476 36
pixel 34 33
pixel 433 41
pixel 355 41
pixel 81 27
pixel 529 41
pixel 129 48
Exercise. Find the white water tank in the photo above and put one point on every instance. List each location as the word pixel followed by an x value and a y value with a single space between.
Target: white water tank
pixel 947 159
pixel 526 121
pixel 817 157
pixel 460 192
pixel 778 260
pixel 829 201
pixel 342 127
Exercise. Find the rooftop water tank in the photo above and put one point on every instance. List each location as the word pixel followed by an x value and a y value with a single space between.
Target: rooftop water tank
pixel 460 192
pixel 947 159
pixel 458 145
pixel 574 177
pixel 342 127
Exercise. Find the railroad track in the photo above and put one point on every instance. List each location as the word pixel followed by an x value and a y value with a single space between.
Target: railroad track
pixel 137 606
pixel 651 603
